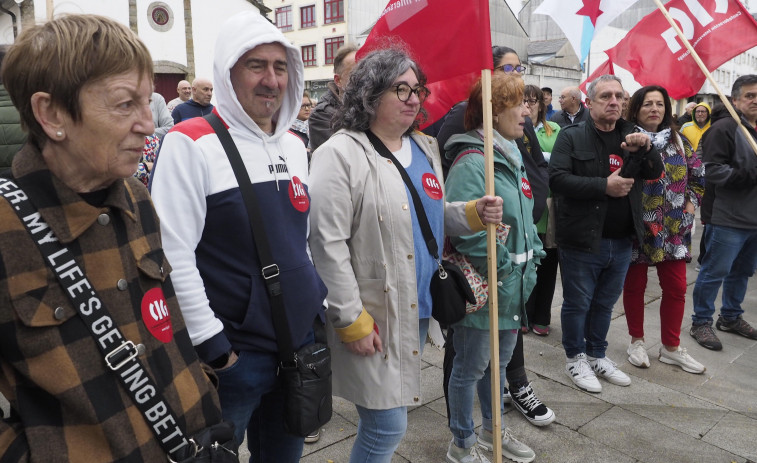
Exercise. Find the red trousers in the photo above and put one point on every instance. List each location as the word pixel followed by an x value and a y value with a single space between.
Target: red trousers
pixel 672 275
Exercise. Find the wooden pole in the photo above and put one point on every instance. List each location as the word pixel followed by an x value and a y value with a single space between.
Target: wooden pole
pixel 491 255
pixel 707 74
pixel 50 9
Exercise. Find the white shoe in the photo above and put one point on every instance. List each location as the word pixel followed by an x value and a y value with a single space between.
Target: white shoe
pixel 608 370
pixel 682 359
pixel 457 454
pixel 637 354
pixel 512 448
pixel 580 372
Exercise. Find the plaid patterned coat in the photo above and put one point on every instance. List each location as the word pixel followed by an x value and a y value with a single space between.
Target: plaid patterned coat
pixel 66 405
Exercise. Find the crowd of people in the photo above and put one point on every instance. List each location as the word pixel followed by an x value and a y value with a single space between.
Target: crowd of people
pixel 175 331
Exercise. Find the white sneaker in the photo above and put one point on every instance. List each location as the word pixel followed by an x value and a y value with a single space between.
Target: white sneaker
pixel 682 359
pixel 608 370
pixel 512 448
pixel 580 372
pixel 456 454
pixel 637 354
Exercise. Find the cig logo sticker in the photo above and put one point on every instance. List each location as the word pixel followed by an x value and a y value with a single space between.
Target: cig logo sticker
pixel 616 162
pixel 431 186
pixel 298 196
pixel 526 187
pixel 156 316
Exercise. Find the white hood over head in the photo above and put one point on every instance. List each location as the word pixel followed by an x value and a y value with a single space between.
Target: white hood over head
pixel 238 35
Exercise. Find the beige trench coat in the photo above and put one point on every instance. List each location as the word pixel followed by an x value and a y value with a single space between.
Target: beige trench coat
pixel 361 240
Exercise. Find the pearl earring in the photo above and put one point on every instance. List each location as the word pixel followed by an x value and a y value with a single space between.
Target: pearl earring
pixel 59 133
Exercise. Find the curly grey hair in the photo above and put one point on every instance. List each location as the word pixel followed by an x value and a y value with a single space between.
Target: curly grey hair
pixel 373 75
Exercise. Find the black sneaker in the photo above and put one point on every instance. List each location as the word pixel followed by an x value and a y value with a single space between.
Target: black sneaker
pixel 527 403
pixel 705 336
pixel 738 326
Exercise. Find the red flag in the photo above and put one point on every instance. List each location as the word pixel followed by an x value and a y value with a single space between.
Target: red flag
pixel 450 40
pixel 652 51
pixel 604 68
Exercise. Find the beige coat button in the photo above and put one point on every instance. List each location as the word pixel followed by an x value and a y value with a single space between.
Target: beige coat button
pixel 103 219
pixel 415 352
pixel 59 313
pixel 122 285
pixel 412 306
pixel 416 399
pixel 409 256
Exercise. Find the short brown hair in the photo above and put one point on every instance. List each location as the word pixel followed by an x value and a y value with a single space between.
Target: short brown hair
pixel 341 54
pixel 61 56
pixel 507 92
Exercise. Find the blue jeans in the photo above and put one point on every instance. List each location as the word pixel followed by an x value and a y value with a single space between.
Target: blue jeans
pixel 252 398
pixel 730 260
pixel 592 284
pixel 379 432
pixel 470 372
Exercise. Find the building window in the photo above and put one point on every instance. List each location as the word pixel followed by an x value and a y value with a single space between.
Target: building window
pixel 333 11
pixel 332 45
pixel 307 16
pixel 284 18
pixel 308 56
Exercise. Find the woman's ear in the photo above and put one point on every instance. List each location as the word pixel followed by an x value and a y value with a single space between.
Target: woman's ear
pixel 49 116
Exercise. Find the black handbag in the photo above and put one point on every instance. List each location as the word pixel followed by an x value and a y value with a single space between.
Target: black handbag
pixel 305 374
pixel 449 287
pixel 213 444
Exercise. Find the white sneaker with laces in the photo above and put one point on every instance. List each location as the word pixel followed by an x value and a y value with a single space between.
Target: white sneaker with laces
pixel 608 370
pixel 682 359
pixel 580 372
pixel 637 354
pixel 512 448
pixel 457 454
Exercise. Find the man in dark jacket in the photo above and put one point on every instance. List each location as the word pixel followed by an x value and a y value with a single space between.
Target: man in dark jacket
pixel 12 137
pixel 319 122
pixel 572 110
pixel 731 233
pixel 596 173
pixel 197 106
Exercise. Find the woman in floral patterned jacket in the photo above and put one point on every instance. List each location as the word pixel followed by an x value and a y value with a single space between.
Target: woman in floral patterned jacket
pixel 668 205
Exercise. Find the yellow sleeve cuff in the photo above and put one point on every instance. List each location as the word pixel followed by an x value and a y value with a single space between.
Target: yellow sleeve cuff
pixel 474 221
pixel 359 329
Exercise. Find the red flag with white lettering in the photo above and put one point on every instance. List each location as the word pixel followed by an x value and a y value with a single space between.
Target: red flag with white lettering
pixel 652 51
pixel 450 40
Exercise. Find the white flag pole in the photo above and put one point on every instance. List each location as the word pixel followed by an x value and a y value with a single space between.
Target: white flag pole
pixel 491 256
pixel 707 74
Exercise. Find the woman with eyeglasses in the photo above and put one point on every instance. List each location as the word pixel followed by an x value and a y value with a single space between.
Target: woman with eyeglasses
pixel 517 258
pixel 300 125
pixel 368 247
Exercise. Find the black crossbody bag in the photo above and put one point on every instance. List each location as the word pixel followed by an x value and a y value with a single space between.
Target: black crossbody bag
pixel 449 287
pixel 306 373
pixel 212 444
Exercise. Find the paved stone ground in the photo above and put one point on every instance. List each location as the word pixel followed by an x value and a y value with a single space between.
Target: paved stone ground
pixel 665 415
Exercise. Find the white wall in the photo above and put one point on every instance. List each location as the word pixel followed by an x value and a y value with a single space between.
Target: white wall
pixel 167 45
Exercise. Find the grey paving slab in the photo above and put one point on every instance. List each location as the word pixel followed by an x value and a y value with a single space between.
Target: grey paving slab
pixel 737 434
pixel 427 436
pixel 651 442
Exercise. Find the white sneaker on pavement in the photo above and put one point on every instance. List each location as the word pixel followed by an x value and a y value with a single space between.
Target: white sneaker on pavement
pixel 608 370
pixel 512 448
pixel 637 354
pixel 457 454
pixel 682 359
pixel 580 372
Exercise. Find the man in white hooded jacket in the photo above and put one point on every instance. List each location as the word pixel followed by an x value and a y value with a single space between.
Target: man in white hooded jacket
pixel 258 78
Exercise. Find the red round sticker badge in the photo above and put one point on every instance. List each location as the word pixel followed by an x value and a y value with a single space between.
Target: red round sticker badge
pixel 155 315
pixel 298 196
pixel 616 162
pixel 431 186
pixel 526 187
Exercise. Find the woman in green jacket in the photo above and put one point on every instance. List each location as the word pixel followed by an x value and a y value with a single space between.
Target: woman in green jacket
pixel 516 264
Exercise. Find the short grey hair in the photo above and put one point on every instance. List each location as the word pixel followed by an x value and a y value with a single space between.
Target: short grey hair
pixel 373 75
pixel 592 91
pixel 749 79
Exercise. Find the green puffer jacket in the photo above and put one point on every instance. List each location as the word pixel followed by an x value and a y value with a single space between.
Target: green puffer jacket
pixel 12 137
pixel 517 259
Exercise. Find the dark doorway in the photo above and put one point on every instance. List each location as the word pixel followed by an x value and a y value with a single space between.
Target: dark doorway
pixel 166 84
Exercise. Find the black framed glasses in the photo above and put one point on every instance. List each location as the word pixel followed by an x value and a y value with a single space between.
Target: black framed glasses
pixel 510 68
pixel 306 106
pixel 404 91
pixel 530 101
